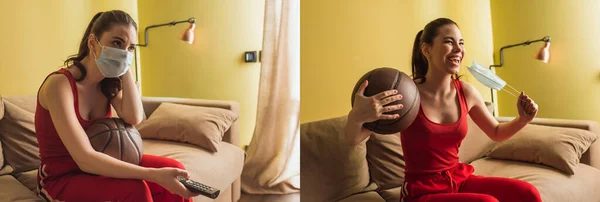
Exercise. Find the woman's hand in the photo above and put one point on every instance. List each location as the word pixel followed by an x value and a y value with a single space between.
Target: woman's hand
pixel 369 109
pixel 526 107
pixel 167 178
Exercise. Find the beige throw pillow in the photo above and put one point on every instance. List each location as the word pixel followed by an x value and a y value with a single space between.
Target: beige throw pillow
pixel 386 161
pixel 557 147
pixel 330 169
pixel 17 133
pixel 201 126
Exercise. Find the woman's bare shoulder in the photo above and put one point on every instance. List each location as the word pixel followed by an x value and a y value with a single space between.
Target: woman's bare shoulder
pixel 55 85
pixel 468 88
pixel 471 93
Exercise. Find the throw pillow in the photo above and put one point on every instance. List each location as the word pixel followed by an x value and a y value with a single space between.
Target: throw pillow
pixel 386 161
pixel 201 126
pixel 557 147
pixel 17 133
pixel 330 169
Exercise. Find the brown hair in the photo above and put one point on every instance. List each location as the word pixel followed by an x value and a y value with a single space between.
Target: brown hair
pixel 100 23
pixel 419 62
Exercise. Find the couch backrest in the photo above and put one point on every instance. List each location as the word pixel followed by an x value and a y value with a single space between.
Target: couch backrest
pixel 17 133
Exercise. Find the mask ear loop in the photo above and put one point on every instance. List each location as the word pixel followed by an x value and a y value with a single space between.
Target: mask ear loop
pixel 517 92
pixel 94 52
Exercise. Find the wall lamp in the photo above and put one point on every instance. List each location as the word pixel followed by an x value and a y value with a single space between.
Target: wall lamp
pixel 542 54
pixel 187 35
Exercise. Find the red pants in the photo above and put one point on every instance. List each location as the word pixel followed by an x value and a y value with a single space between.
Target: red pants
pixel 62 181
pixel 458 184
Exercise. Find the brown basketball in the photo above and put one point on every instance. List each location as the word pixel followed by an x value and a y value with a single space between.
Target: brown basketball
pixel 383 79
pixel 116 138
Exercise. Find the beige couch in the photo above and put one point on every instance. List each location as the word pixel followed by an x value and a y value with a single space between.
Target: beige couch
pixel 374 169
pixel 19 155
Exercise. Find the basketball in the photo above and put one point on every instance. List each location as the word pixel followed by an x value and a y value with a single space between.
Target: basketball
pixel 116 138
pixel 383 79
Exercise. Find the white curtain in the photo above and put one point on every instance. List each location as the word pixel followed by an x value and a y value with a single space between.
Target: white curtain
pixel 273 158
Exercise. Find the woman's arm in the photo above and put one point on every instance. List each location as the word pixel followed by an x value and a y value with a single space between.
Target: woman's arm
pixel 58 98
pixel 488 124
pixel 354 131
pixel 128 102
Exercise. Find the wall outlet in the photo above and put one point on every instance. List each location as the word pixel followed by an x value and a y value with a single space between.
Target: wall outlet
pixel 250 56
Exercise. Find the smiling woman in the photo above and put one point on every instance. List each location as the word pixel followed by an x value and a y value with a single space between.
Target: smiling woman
pixel 431 143
pixel 72 98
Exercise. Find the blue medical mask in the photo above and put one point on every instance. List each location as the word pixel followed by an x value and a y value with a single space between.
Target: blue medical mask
pixel 113 62
pixel 486 76
pixel 489 79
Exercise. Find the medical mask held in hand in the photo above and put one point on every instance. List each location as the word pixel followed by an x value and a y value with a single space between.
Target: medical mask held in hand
pixel 488 78
pixel 113 62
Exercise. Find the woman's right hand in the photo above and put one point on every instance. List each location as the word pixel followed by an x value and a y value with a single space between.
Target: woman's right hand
pixel 167 178
pixel 369 109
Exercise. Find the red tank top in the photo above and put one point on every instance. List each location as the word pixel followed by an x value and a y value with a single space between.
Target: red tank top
pixel 51 147
pixel 431 147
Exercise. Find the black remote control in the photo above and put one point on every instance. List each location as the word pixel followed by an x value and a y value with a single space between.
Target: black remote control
pixel 200 188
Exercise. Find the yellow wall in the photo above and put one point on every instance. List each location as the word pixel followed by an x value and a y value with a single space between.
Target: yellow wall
pixel 38 36
pixel 213 67
pixel 569 85
pixel 342 40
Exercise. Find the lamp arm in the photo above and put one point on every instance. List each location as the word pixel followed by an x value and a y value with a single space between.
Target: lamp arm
pixel 545 39
pixel 190 20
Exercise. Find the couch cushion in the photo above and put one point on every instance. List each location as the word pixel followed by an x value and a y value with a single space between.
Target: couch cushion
pixel 553 185
pixel 11 190
pixel 28 179
pixel 558 147
pixel 386 160
pixel 370 196
pixel 329 168
pixel 17 133
pixel 391 195
pixel 7 169
pixel 217 169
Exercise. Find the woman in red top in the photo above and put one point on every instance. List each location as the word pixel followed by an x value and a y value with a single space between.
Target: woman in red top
pixel 430 144
pixel 70 99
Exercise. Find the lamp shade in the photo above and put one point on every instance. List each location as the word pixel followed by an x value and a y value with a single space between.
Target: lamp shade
pixel 543 54
pixel 188 34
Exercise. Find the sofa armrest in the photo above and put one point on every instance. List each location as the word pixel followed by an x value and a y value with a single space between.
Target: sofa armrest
pixel 592 155
pixel 231 136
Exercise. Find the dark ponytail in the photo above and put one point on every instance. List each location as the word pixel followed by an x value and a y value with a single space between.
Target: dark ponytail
pixel 100 23
pixel 83 49
pixel 420 64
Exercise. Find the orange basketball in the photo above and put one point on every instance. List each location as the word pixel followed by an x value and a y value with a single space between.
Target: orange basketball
pixel 116 138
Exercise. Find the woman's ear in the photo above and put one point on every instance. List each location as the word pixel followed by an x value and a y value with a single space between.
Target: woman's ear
pixel 425 50
pixel 92 43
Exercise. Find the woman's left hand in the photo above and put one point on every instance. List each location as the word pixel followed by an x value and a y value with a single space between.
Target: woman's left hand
pixel 527 107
